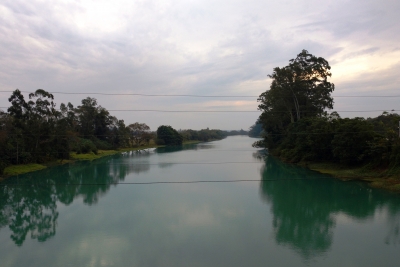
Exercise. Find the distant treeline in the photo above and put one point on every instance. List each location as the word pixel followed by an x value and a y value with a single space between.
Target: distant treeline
pixel 234 132
pixel 209 134
pixel 35 131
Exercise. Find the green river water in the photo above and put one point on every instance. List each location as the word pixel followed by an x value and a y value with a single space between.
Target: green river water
pixel 189 206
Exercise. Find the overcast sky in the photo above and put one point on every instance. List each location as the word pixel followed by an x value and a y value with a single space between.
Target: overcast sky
pixel 196 47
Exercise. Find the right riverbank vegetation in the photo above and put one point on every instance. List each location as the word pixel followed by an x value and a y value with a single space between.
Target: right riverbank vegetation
pixel 35 133
pixel 297 128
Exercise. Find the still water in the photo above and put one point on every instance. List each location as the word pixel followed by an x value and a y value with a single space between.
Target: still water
pixel 123 210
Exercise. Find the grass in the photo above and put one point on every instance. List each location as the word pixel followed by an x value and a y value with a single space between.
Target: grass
pixel 337 170
pixel 92 156
pixel 375 178
pixel 23 168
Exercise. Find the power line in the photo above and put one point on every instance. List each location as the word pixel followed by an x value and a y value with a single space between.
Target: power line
pixel 191 95
pixel 139 151
pixel 185 111
pixel 186 163
pixel 139 94
pixel 170 182
pixel 235 111
pixel 200 141
pixel 232 111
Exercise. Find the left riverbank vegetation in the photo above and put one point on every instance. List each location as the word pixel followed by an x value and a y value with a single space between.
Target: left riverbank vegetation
pixel 299 129
pixel 35 131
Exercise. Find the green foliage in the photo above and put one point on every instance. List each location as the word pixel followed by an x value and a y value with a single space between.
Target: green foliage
pixel 308 140
pixel 34 131
pixel 298 90
pixel 234 132
pixel 256 130
pixel 139 133
pixel 160 142
pixel 82 146
pixel 350 143
pixel 3 165
pixel 100 144
pixel 203 135
pixel 297 127
pixel 21 169
pixel 169 135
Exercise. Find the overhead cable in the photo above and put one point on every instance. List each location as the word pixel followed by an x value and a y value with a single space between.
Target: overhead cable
pixel 187 95
pixel 169 182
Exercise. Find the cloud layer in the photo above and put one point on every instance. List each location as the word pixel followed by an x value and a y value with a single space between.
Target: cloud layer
pixel 195 47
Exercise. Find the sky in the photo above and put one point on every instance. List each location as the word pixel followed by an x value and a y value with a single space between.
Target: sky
pixel 87 48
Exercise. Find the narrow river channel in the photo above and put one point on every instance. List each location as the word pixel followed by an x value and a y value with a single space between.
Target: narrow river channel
pixel 220 203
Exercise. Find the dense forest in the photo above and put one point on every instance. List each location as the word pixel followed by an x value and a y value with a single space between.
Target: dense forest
pixel 36 131
pixel 298 128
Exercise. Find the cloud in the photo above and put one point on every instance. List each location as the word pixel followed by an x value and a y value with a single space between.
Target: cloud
pixel 181 47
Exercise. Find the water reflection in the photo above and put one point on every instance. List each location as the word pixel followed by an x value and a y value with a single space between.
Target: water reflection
pixel 393 235
pixel 139 165
pixel 28 203
pixel 28 208
pixel 305 206
pixel 170 149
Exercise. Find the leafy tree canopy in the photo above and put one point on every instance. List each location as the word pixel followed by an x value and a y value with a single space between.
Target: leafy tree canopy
pixel 139 132
pixel 300 89
pixel 168 135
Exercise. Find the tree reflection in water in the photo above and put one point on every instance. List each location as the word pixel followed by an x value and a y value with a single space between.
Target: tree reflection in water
pixel 28 203
pixel 305 204
pixel 28 208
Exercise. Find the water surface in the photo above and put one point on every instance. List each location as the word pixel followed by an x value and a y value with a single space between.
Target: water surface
pixel 154 209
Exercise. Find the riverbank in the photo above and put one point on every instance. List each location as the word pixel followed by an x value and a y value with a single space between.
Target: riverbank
pixel 375 178
pixel 26 168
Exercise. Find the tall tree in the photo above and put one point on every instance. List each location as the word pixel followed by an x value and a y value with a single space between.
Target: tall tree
pixel 33 123
pixel 86 114
pixel 298 90
pixel 42 118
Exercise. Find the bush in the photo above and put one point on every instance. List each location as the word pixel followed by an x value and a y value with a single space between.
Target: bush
pixel 160 142
pixel 3 165
pixel 81 145
pixel 350 143
pixel 103 145
pixel 169 135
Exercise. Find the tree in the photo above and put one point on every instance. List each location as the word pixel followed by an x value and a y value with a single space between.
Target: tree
pixel 5 138
pixel 86 114
pixel 138 132
pixel 34 124
pixel 298 90
pixel 353 139
pixel 42 117
pixel 168 135
pixel 256 129
pixel 95 123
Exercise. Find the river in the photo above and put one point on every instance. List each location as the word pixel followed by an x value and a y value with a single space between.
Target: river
pixel 220 203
